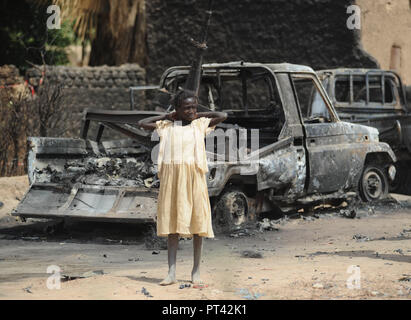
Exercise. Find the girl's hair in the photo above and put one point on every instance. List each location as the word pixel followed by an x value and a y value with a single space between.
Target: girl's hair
pixel 181 96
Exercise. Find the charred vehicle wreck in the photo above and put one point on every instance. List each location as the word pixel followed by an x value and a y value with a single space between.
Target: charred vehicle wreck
pixel 299 159
pixel 375 98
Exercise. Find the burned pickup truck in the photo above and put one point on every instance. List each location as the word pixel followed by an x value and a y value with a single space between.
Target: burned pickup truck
pixel 267 154
pixel 375 98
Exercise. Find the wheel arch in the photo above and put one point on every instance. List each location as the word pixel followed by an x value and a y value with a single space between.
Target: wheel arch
pixel 383 159
pixel 248 184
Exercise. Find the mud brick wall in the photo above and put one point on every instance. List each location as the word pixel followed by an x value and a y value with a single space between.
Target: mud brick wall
pixel 99 87
pixel 311 32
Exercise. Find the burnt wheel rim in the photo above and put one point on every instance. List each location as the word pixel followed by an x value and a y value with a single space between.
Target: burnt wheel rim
pixel 373 185
pixel 232 212
pixel 238 209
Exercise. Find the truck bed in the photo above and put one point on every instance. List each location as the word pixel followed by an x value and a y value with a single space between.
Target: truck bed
pixel 77 178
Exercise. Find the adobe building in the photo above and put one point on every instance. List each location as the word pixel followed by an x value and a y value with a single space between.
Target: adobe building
pixel 386 34
pixel 312 32
pixel 306 32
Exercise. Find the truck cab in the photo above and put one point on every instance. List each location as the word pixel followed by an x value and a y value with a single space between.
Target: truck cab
pixel 375 98
pixel 270 152
pixel 277 99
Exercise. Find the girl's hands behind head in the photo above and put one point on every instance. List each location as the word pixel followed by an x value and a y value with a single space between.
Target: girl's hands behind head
pixel 171 116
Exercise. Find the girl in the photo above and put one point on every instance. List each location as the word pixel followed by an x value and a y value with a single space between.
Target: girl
pixel 183 202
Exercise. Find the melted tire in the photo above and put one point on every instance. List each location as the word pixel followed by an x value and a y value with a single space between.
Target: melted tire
pixel 373 184
pixel 230 212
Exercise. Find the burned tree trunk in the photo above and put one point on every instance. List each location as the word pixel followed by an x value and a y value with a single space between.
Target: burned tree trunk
pixel 120 34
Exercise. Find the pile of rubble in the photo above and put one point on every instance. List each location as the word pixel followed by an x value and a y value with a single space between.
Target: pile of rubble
pixel 129 171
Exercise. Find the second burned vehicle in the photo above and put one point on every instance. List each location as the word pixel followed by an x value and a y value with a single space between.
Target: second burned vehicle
pixel 375 98
pixel 298 158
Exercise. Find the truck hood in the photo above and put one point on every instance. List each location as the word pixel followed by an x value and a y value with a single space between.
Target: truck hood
pixel 354 132
pixel 360 129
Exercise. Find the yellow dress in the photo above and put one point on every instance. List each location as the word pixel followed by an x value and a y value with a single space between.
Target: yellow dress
pixel 183 202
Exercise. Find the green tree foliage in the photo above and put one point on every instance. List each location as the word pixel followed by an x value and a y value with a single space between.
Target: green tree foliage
pixel 24 36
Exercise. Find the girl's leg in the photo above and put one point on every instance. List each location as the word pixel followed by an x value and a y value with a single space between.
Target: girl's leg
pixel 197 246
pixel 172 245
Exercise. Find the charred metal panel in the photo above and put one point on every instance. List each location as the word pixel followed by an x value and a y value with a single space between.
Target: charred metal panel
pixel 380 147
pixel 113 180
pixel 123 162
pixel 280 166
pixel 88 202
pixel 220 173
pixel 55 146
pixel 360 151
pixel 335 153
pixel 284 170
pixel 289 103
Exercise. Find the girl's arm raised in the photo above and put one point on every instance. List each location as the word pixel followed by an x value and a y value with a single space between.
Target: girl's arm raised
pixel 216 117
pixel 150 123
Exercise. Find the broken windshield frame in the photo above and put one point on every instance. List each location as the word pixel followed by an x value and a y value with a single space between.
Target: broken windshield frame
pixel 215 76
pixel 320 89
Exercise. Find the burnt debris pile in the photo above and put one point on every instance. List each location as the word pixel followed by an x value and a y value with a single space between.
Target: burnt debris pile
pixel 103 171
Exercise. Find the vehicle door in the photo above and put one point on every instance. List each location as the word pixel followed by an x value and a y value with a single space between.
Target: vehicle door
pixel 327 139
pixel 283 164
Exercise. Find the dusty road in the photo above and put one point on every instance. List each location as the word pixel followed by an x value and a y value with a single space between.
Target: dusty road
pixel 313 257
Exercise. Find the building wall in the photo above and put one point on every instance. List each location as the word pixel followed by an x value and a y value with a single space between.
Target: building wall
pixel 311 32
pixel 100 87
pixel 89 87
pixel 386 24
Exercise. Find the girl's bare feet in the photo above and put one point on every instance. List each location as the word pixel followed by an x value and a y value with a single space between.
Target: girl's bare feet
pixel 195 277
pixel 170 279
pixel 197 246
pixel 172 244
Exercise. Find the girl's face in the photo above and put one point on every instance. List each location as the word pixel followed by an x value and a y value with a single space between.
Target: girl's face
pixel 188 110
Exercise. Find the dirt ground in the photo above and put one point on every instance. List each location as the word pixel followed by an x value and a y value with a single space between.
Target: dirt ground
pixel 12 190
pixel 307 257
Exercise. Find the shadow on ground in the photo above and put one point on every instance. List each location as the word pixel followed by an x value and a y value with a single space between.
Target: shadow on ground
pixel 77 231
pixel 368 254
